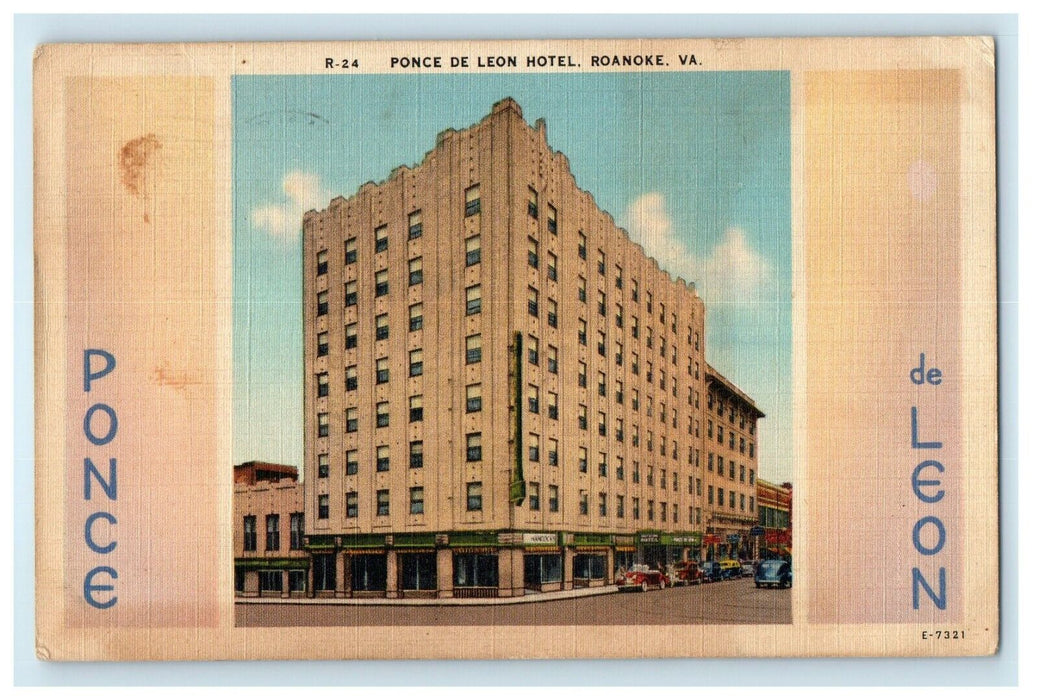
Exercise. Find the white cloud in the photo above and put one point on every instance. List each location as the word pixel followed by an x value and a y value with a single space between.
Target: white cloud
pixel 303 191
pixel 732 272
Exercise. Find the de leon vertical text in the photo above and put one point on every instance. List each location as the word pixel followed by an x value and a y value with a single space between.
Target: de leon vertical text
pixel 929 534
pixel 100 426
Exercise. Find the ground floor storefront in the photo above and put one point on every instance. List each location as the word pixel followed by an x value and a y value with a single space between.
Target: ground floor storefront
pixel 491 564
pixel 271 578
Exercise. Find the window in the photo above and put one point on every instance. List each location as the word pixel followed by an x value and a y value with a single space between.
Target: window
pixel 649 477
pixel 743 502
pixel 473 398
pixel 322 466
pixel 322 262
pixel 474 495
pixel 382 370
pixel 732 499
pixel 663 479
pixel 472 300
pixel 601 346
pixel 618 318
pixel 322 425
pixel 295 531
pixel 582 374
pixel 322 507
pixel 414 224
pixel 472 250
pixel 532 350
pixel 472 200
pixel 751 449
pixel 382 502
pixel 350 246
pixel 532 301
pixel 414 409
pixel 553 272
pixel 382 283
pixel 649 302
pixel 382 414
pixel 415 317
pixel 322 343
pixel 351 462
pixel 534 447
pixel 553 499
pixel 699 487
pixel 634 289
pixel 553 359
pixel 620 506
pixel 602 464
pixel 322 384
pixel 382 327
pixel 273 534
pixel 751 509
pixel 636 476
pixel 414 271
pixel 743 473
pixel 582 459
pixel 415 454
pixel 351 336
pixel 552 228
pixel 532 253
pixel 382 458
pixel 382 241
pixel 553 314
pixel 582 246
pixel 582 417
pixel 618 355
pixel 322 303
pixel 473 447
pixel 751 479
pixel 619 280
pixel 602 384
pixel 602 505
pixel 553 452
pixel 583 502
pixel 601 264
pixel 553 405
pixel 532 202
pixel 473 349
pixel 415 363
pixel 350 293
pixel 582 289
pixel 249 533
pixel 620 469
pixel 635 508
pixel 602 424
pixel 533 404
pixel 416 498
pixel 602 303
pixel 582 331
pixel 351 420
pixel 534 495
pixel 674 481
pixel 351 504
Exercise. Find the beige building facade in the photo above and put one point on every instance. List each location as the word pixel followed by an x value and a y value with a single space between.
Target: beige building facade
pixel 503 393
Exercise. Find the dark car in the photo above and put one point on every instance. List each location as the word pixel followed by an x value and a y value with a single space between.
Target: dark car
pixel 711 570
pixel 774 572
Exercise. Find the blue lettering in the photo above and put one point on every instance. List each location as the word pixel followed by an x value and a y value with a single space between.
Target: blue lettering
pixel 917 445
pixel 89 587
pixel 113 424
pixel 918 482
pixel 89 536
pixel 937 598
pixel 88 375
pixel 928 551
pixel 109 487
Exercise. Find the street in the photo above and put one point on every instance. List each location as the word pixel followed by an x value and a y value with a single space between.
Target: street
pixel 725 602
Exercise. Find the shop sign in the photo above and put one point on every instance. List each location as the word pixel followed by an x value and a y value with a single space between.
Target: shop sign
pixel 649 538
pixel 542 538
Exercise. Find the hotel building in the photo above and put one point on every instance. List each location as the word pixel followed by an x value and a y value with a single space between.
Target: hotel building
pixel 503 393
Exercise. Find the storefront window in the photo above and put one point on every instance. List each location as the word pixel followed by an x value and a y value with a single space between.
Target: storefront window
pixel 297 580
pixel 368 572
pixel 270 581
pixel 324 572
pixel 590 566
pixel 539 569
pixel 418 572
pixel 476 570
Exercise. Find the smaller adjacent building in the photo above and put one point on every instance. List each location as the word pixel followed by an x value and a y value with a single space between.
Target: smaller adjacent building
pixel 268 523
pixel 775 507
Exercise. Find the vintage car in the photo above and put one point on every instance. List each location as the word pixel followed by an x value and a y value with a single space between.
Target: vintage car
pixel 730 568
pixel 641 578
pixel 747 568
pixel 710 571
pixel 687 573
pixel 774 572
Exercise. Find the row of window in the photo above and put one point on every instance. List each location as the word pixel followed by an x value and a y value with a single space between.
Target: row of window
pixel 720 433
pixel 719 406
pixel 732 499
pixel 743 472
pixel 416 501
pixel 273 532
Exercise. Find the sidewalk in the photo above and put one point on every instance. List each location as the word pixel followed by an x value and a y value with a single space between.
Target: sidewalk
pixel 529 598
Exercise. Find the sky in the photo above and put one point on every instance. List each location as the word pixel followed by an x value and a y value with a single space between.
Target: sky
pixel 694 165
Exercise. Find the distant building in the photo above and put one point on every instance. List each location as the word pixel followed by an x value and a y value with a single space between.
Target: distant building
pixel 775 506
pixel 502 391
pixel 269 525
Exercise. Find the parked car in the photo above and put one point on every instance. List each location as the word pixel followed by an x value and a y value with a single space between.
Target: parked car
pixel 641 578
pixel 730 568
pixel 687 573
pixel 774 572
pixel 711 571
pixel 747 568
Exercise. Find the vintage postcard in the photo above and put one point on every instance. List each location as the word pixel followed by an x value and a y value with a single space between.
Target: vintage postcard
pixel 516 349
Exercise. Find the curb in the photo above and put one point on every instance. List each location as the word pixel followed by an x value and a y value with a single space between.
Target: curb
pixel 532 598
